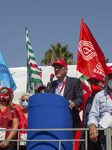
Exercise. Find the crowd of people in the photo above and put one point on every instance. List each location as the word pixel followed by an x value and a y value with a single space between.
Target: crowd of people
pixel 96 105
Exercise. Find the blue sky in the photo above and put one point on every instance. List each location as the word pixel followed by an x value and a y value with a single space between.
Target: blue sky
pixel 50 22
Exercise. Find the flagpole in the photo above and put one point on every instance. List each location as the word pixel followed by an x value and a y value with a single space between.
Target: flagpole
pixel 33 88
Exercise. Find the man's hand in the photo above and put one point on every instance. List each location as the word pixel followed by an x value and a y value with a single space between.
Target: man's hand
pixel 93 133
pixel 71 104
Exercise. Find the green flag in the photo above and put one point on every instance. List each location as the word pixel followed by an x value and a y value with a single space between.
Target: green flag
pixel 33 75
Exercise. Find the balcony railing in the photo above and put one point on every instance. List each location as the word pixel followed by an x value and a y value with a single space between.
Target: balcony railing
pixel 107 131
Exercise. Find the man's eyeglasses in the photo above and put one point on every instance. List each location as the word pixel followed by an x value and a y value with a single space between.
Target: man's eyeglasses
pixel 24 100
pixel 2 92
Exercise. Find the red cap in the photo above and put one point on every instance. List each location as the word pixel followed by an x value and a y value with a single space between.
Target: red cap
pixel 41 88
pixel 109 70
pixel 60 62
pixel 10 90
pixel 96 76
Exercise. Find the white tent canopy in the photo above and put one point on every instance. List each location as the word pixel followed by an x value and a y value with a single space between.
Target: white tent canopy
pixel 20 77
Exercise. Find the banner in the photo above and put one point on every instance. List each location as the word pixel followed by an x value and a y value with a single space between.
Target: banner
pixel 90 57
pixel 6 79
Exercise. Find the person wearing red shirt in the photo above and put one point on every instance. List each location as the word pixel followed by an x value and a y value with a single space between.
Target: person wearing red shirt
pixel 17 106
pixel 24 119
pixel 9 119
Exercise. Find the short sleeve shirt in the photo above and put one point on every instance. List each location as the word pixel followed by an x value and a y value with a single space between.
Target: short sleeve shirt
pixel 18 107
pixel 8 119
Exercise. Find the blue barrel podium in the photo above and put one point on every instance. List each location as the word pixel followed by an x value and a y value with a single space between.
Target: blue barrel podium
pixel 49 111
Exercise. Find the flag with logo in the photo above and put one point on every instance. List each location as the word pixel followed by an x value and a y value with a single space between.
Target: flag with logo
pixel 6 79
pixel 33 75
pixel 90 57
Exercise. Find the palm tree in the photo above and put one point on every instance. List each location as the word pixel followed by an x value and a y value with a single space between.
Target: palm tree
pixel 57 52
pixel 107 60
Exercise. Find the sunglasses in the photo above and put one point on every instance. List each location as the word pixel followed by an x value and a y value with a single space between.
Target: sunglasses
pixel 2 92
pixel 24 100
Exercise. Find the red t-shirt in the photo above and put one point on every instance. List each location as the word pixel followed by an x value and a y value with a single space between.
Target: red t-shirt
pixel 18 107
pixel 23 124
pixel 8 117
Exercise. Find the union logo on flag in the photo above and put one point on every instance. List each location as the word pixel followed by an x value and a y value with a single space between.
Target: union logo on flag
pixel 87 50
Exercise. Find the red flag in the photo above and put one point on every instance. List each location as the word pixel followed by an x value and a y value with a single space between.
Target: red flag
pixel 90 57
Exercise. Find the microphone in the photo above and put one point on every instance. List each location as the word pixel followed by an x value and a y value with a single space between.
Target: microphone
pixel 51 78
pixel 50 83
